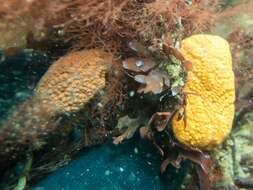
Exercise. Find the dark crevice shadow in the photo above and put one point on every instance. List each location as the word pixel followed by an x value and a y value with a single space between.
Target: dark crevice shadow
pixel 19 75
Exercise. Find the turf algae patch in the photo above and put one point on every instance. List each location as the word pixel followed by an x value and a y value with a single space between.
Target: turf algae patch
pixel 235 156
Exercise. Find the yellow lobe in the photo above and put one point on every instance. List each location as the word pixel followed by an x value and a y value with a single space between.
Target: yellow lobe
pixel 210 93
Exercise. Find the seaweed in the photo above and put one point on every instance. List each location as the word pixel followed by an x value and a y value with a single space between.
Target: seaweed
pixel 110 24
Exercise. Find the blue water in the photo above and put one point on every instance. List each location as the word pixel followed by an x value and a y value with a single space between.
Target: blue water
pixel 134 165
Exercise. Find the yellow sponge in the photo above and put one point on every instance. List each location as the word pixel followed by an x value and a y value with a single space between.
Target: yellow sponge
pixel 210 93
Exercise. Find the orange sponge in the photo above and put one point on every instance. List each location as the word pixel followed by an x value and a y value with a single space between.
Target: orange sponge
pixel 73 80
